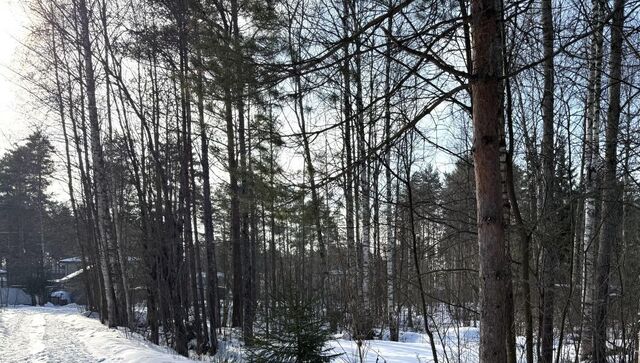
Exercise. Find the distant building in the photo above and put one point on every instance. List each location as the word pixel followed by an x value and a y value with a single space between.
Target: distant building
pixel 68 266
pixel 67 284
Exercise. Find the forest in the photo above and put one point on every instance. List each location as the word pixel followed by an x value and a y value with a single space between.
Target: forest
pixel 270 174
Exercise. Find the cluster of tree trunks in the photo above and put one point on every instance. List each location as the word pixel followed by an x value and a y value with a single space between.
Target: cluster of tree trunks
pixel 295 145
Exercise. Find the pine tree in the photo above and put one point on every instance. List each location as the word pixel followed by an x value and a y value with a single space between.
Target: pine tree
pixel 297 334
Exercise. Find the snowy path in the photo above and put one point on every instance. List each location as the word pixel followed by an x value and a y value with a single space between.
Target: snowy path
pixel 40 334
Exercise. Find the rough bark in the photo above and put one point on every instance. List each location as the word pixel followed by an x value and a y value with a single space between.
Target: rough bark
pixel 487 96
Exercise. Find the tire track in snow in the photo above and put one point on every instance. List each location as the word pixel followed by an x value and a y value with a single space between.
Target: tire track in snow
pixel 22 334
pixel 61 335
pixel 63 344
pixel 36 331
pixel 31 336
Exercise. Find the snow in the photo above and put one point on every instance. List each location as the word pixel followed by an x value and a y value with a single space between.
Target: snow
pixel 70 276
pixel 461 346
pixel 61 294
pixel 381 351
pixel 62 334
pixel 71 260
pixel 454 344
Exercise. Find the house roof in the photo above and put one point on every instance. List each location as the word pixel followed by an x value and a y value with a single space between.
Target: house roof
pixel 70 276
pixel 71 260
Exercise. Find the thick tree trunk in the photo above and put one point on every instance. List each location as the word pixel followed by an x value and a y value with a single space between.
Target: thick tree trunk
pixel 487 99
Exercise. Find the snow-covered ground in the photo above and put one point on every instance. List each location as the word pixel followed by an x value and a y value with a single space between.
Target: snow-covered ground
pixel 461 346
pixel 454 345
pixel 62 334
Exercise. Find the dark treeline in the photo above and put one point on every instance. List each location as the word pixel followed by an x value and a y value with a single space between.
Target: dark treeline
pixel 379 165
pixel 35 229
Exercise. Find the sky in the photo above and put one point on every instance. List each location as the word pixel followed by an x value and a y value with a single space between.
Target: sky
pixel 14 125
pixel 18 112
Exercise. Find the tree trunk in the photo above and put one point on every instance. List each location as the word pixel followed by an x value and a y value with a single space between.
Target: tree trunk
pixel 365 190
pixel 592 147
pixel 487 99
pixel 415 253
pixel 390 250
pixel 104 220
pixel 610 195
pixel 550 249
pixel 236 242
pixel 207 210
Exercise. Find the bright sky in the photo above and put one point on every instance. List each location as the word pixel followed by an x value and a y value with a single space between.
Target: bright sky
pixel 14 125
pixel 18 115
